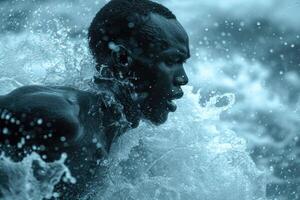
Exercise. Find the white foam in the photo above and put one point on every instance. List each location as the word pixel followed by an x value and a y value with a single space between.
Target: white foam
pixel 32 178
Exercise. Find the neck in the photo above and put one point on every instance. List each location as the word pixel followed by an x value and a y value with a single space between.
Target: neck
pixel 122 93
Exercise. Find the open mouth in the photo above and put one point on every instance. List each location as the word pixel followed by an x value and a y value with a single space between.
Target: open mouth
pixel 171 104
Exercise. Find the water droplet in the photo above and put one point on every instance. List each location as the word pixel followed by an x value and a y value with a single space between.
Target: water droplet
pixel 40 121
pixel 5 131
pixel 130 24
pixel 62 139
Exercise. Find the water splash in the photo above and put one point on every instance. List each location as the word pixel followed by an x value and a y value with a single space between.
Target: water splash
pixel 31 178
pixel 192 156
pixel 188 157
pixel 52 58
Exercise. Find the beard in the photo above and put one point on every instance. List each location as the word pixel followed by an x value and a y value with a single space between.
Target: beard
pixel 156 111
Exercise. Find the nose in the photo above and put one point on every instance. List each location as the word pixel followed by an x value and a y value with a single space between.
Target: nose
pixel 181 78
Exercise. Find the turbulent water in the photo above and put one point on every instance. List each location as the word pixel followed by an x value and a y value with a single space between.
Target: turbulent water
pixel 189 157
pixel 32 178
pixel 237 139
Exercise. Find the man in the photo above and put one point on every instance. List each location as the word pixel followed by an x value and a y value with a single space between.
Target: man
pixel 139 48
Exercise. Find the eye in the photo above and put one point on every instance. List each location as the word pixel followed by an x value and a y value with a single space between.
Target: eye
pixel 169 62
pixel 172 61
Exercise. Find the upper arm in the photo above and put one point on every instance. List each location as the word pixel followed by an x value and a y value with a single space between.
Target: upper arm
pixel 38 121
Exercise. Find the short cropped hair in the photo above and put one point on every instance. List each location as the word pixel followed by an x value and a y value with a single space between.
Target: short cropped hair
pixel 120 19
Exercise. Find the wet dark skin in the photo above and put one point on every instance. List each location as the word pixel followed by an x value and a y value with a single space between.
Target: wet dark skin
pixel 165 69
pixel 59 119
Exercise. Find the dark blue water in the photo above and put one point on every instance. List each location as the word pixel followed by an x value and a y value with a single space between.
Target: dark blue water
pixel 238 139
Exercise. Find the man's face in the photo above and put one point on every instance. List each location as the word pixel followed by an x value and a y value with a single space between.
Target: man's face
pixel 162 68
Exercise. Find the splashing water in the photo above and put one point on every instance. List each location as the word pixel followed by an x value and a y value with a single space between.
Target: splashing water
pixel 192 156
pixel 32 178
pixel 188 157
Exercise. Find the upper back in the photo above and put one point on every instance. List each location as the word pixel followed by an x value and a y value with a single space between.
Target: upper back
pixel 61 106
pixel 42 99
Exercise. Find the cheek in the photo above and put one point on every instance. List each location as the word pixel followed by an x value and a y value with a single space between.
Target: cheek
pixel 164 68
pixel 164 73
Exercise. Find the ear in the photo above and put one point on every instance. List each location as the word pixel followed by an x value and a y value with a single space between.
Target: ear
pixel 121 57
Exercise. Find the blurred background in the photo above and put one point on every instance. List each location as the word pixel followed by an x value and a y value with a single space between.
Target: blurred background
pixel 250 48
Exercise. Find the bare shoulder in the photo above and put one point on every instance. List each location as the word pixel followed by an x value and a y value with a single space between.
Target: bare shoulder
pixel 58 106
pixel 45 99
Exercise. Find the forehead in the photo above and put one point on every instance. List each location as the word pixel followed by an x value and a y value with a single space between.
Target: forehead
pixel 170 31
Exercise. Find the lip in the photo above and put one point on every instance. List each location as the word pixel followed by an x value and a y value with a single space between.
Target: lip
pixel 171 106
pixel 177 95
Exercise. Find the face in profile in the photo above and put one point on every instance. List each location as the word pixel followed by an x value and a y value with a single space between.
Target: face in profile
pixel 162 68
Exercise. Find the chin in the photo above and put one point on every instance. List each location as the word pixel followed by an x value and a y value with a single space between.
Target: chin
pixel 158 118
pixel 155 111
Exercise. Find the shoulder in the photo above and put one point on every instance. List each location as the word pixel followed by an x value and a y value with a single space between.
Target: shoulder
pixel 57 93
pixel 58 105
pixel 34 98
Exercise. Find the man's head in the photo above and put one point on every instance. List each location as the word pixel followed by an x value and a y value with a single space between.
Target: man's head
pixel 143 42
